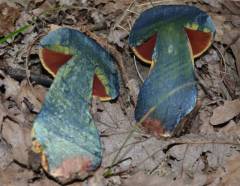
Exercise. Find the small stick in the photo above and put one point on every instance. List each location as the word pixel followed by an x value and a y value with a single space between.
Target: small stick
pixel 135 64
pixel 20 74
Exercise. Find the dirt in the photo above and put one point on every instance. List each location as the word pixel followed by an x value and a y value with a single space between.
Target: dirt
pixel 206 153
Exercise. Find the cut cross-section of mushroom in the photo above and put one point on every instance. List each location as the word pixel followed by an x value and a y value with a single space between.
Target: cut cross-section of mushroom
pixel 169 37
pixel 64 132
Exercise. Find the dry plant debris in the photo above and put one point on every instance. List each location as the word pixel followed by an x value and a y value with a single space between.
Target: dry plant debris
pixel 224 113
pixel 8 17
pixel 207 153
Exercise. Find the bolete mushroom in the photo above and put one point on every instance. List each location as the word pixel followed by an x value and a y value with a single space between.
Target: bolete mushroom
pixel 64 132
pixel 169 37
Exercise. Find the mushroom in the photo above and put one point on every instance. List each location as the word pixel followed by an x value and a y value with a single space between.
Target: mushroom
pixel 169 37
pixel 64 132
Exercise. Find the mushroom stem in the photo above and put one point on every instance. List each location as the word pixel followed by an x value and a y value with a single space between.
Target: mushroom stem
pixel 172 69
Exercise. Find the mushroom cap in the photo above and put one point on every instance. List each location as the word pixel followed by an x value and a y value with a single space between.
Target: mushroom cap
pixel 60 45
pixel 196 23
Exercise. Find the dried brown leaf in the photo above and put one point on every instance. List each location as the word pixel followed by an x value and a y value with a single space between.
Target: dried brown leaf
pixel 5 155
pixel 26 92
pixel 219 24
pixel 44 182
pixel 3 114
pixel 139 152
pixel 216 3
pixel 233 6
pixel 225 112
pixel 232 172
pixel 141 179
pixel 227 175
pixel 8 16
pixel 231 129
pixel 230 35
pixel 11 86
pixel 42 8
pixel 19 138
pixel 235 48
pixel 15 176
pixel 116 36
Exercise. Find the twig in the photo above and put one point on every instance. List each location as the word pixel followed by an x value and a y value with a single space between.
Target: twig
pixel 161 2
pixel 19 75
pixel 135 64
pixel 123 15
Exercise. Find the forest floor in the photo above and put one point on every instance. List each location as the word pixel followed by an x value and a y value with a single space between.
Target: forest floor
pixel 207 153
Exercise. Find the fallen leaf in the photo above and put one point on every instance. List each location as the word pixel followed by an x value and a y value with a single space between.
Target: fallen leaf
pixel 232 172
pixel 19 138
pixel 25 92
pixel 10 85
pixel 233 6
pixel 15 176
pixel 230 35
pixel 116 36
pixel 8 16
pixel 134 89
pixel 235 48
pixel 219 25
pixel 225 112
pixel 97 17
pixel 227 174
pixel 231 129
pixel 215 4
pixel 3 113
pixel 141 179
pixel 44 182
pixel 5 155
pixel 42 8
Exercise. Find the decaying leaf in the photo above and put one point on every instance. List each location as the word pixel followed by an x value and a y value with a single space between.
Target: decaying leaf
pixel 27 97
pixel 219 24
pixel 14 175
pixel 116 36
pixel 8 16
pixel 141 179
pixel 10 85
pixel 5 155
pixel 232 5
pixel 232 172
pixel 45 182
pixel 3 114
pixel 235 48
pixel 227 175
pixel 19 138
pixel 216 4
pixel 224 113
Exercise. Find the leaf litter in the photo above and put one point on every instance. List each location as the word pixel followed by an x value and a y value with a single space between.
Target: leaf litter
pixel 206 154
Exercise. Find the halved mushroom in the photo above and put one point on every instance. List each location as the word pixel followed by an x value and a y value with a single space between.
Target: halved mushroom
pixel 52 58
pixel 64 132
pixel 169 37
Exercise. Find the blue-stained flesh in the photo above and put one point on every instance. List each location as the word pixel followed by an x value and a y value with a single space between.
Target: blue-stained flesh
pixel 64 128
pixel 170 87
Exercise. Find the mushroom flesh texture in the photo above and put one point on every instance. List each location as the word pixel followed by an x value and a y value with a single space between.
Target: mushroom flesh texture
pixel 169 37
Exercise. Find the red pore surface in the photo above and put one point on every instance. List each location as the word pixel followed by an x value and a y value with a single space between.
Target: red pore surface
pixel 145 50
pixel 52 61
pixel 199 40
